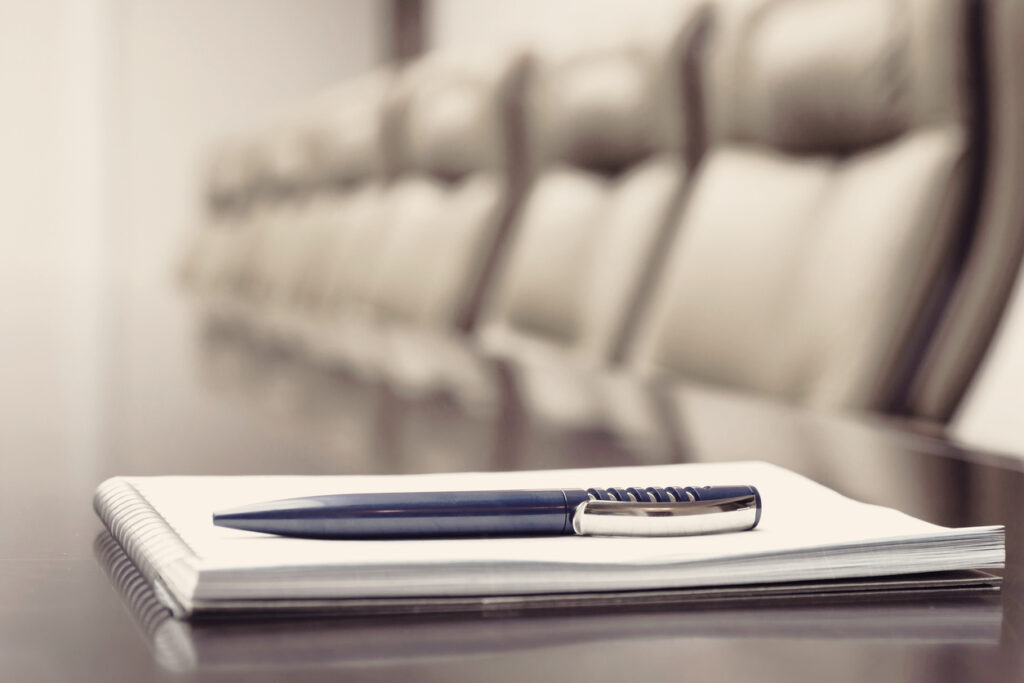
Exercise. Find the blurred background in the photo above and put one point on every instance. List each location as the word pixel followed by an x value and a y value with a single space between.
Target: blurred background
pixel 113 112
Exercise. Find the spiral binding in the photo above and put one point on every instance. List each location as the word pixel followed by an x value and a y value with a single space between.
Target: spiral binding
pixel 146 537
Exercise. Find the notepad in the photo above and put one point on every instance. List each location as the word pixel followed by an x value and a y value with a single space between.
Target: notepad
pixel 182 646
pixel 807 533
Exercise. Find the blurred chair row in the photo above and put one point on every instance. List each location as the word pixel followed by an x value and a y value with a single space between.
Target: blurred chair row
pixel 816 199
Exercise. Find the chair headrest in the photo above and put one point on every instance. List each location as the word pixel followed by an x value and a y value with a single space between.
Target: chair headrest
pixel 606 101
pixel 834 76
pixel 456 111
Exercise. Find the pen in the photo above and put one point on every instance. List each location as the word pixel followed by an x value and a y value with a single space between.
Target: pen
pixel 628 511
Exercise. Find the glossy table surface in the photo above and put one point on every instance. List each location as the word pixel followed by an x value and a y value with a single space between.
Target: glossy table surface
pixel 71 612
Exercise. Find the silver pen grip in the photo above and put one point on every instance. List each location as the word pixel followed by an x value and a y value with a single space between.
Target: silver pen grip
pixel 687 518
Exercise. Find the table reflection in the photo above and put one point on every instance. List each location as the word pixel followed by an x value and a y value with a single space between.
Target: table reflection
pixel 369 640
pixel 449 408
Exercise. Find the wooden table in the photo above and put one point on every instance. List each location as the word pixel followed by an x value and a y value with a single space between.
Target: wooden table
pixel 432 405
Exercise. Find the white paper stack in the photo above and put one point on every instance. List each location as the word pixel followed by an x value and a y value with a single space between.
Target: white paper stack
pixel 807 533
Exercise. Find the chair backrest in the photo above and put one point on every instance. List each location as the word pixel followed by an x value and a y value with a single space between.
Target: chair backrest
pixel 459 175
pixel 284 197
pixel 206 266
pixel 346 156
pixel 826 224
pixel 613 129
pixel 992 264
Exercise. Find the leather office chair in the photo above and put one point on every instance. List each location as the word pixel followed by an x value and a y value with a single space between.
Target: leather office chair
pixel 457 183
pixel 826 226
pixel 613 133
pixel 318 227
pixel 991 265
pixel 206 266
pixel 355 158
pixel 234 256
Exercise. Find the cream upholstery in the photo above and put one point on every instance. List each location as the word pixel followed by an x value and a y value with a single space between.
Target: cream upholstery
pixel 992 263
pixel 325 167
pixel 849 238
pixel 612 130
pixel 207 264
pixel 349 157
pixel 354 223
pixel 447 211
pixel 833 195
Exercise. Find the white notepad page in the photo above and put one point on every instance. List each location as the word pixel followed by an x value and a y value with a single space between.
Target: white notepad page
pixel 807 532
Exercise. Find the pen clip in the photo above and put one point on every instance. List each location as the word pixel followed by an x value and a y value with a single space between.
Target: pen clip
pixel 687 518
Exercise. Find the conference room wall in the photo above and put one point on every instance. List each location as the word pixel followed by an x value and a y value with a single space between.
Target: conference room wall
pixel 193 72
pixel 109 108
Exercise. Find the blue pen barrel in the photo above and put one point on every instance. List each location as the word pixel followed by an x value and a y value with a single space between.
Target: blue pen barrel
pixel 405 515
